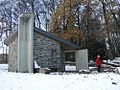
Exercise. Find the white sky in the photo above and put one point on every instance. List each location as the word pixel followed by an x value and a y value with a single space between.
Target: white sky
pixel 2 45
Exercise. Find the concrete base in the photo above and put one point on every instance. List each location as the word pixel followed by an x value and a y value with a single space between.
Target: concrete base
pixel 81 59
pixel 44 71
pixel 25 43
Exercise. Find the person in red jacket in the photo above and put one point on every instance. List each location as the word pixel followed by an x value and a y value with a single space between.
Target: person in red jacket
pixel 98 63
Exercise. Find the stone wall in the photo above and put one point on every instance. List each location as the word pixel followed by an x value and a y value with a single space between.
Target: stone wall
pixel 13 56
pixel 47 52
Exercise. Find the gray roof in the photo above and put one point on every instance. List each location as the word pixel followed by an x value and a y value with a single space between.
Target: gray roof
pixel 11 38
pixel 47 34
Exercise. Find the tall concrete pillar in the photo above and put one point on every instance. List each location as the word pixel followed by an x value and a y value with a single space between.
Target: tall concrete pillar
pixel 81 59
pixel 25 43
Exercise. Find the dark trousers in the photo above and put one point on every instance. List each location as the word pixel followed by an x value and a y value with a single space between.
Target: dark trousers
pixel 99 68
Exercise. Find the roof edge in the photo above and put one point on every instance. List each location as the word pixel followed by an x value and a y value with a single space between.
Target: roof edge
pixel 53 36
pixel 10 38
pixel 48 34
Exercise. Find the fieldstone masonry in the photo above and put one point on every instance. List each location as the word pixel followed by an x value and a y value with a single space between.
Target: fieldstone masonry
pixel 13 56
pixel 47 52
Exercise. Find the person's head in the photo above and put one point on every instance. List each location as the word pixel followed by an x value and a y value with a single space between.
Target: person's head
pixel 98 56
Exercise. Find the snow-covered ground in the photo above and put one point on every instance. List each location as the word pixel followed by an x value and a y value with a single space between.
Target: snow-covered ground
pixel 115 61
pixel 4 67
pixel 65 81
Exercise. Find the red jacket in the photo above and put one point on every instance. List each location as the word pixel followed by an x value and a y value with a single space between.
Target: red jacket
pixel 98 61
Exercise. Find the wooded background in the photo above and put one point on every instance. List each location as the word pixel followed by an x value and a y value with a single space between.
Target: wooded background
pixel 91 24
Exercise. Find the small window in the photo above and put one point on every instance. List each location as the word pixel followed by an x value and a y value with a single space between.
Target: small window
pixel 53 69
pixel 70 57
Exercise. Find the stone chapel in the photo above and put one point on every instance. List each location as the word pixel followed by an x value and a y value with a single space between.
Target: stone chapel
pixel 29 44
